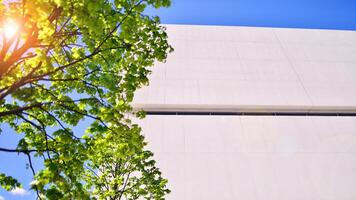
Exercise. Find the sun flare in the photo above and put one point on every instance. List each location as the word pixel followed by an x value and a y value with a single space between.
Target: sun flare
pixel 10 28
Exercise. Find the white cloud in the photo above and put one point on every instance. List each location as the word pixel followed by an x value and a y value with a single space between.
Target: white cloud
pixel 19 192
pixel 2 198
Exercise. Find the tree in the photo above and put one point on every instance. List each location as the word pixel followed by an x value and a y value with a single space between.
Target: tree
pixel 62 62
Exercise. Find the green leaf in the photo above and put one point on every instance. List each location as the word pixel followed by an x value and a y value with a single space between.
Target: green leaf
pixel 8 182
pixel 79 64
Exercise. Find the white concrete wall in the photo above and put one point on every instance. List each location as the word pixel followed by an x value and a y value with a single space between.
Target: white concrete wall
pixel 255 157
pixel 254 67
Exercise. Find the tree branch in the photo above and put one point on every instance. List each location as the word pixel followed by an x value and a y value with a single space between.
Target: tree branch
pixel 33 173
pixel 20 151
pixel 21 109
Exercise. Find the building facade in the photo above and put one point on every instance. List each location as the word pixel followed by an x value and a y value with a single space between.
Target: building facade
pixel 254 113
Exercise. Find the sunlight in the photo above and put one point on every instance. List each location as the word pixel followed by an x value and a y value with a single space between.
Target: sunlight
pixel 10 28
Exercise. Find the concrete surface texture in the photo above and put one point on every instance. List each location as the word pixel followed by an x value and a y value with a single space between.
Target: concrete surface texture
pixel 248 66
pixel 254 157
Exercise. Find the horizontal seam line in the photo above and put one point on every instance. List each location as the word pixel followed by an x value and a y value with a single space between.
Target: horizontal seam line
pixel 251 113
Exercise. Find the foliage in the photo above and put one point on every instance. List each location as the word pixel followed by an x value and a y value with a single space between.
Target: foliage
pixel 80 60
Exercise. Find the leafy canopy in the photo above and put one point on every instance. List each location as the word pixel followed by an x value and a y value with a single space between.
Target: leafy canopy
pixel 74 60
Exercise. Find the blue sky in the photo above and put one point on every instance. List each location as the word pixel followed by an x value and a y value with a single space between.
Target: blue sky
pixel 325 14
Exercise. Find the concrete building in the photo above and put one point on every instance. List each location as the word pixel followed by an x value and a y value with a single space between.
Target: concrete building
pixel 254 114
